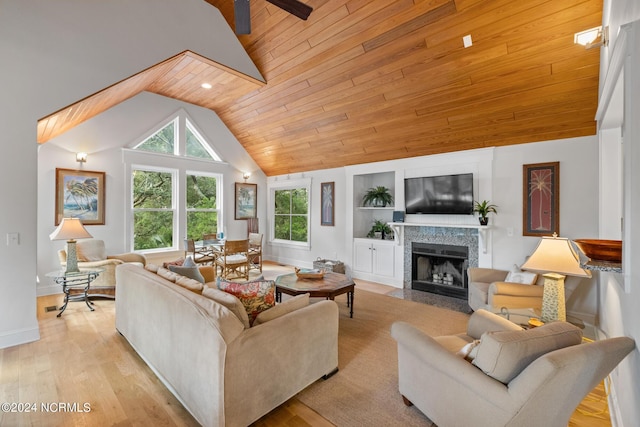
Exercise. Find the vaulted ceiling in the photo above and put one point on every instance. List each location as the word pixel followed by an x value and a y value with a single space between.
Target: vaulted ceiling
pixel 370 80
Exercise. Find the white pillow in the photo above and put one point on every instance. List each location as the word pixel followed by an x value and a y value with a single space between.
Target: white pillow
pixel 518 276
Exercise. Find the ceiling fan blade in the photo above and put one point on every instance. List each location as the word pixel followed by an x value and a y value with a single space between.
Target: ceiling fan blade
pixel 294 7
pixel 242 16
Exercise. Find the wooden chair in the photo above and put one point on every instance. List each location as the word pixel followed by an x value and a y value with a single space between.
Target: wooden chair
pixel 233 259
pixel 255 251
pixel 199 255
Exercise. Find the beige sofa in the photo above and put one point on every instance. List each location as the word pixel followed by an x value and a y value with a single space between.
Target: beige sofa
pixel 518 378
pixel 488 290
pixel 223 372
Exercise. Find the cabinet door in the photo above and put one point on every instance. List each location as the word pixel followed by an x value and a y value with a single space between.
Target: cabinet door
pixel 383 259
pixel 362 256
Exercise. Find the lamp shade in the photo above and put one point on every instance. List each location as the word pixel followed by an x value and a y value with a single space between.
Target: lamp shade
pixel 69 229
pixel 555 254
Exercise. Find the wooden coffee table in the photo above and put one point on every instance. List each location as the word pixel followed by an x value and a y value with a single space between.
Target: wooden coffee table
pixel 330 286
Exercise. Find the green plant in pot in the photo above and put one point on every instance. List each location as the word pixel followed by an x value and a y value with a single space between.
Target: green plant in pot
pixel 483 209
pixel 377 196
pixel 381 227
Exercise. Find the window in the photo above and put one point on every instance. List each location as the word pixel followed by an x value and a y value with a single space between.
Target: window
pixel 173 193
pixel 290 207
pixel 153 209
pixel 202 212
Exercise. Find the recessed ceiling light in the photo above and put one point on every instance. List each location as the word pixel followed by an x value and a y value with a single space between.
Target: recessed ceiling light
pixel 206 85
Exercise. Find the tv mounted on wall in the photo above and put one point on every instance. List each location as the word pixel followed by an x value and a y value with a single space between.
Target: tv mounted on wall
pixel 445 194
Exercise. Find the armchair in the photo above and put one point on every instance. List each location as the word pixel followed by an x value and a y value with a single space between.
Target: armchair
pixel 487 289
pixel 552 372
pixel 92 254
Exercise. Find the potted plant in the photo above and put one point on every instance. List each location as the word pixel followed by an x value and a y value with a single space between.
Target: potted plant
pixel 377 196
pixel 379 229
pixel 484 208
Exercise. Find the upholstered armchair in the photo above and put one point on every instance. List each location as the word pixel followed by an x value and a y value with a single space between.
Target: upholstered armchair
pixel 489 288
pixel 524 378
pixel 92 254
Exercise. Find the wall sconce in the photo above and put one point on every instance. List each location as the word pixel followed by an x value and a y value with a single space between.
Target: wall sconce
pixel 246 176
pixel 81 157
pixel 593 37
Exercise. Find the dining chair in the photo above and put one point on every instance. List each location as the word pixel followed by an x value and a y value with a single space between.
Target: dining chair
pixel 255 251
pixel 233 259
pixel 200 255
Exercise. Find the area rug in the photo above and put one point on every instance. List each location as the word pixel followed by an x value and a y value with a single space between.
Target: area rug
pixel 365 390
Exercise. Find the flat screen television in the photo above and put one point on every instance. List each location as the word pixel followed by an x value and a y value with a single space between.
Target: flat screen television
pixel 445 194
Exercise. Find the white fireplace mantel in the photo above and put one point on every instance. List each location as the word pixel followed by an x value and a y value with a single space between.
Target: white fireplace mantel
pixel 398 229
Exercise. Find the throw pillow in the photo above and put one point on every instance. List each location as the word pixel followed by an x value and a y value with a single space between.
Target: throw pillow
pixel 189 262
pixel 190 272
pixel 292 304
pixel 179 261
pixel 91 250
pixel 469 351
pixel 256 296
pixel 229 301
pixel 504 354
pixel 518 276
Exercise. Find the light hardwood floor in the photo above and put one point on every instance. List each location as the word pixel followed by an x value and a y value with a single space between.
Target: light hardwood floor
pixel 80 359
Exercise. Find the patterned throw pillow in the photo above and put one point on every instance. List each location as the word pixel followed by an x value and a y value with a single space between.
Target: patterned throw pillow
pixel 256 296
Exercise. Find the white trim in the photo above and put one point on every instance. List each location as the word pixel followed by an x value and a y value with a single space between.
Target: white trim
pixel 283 185
pixel 616 64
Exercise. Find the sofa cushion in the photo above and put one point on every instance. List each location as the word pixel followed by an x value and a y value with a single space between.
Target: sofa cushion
pixel 91 250
pixel 191 284
pixel 504 354
pixel 292 304
pixel 168 274
pixel 518 276
pixel 178 261
pixel 152 268
pixel 230 301
pixel 256 296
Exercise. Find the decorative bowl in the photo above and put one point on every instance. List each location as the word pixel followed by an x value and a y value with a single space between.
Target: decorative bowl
pixel 305 273
pixel 601 250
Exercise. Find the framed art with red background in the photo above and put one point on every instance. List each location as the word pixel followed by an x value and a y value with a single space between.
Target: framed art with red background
pixel 541 199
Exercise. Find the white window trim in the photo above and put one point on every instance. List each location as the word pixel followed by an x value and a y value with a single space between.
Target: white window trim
pixel 284 185
pixel 219 197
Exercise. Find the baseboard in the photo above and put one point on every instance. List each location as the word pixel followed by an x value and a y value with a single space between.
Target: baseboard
pixel 48 290
pixel 20 336
pixel 612 401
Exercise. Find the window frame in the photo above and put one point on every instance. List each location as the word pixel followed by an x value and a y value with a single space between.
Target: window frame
pixel 219 193
pixel 288 185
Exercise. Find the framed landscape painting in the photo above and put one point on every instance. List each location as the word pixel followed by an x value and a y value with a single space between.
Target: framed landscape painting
pixel 80 194
pixel 541 199
pixel 246 200
pixel 327 201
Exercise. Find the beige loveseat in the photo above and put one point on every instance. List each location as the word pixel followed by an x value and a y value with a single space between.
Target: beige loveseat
pixel 223 372
pixel 488 290
pixel 518 378
pixel 92 253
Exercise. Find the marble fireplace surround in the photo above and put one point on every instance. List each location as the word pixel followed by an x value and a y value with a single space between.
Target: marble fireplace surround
pixel 445 235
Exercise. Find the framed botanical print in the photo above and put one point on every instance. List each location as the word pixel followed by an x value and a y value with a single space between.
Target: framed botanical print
pixel 541 199
pixel 246 200
pixel 80 194
pixel 327 197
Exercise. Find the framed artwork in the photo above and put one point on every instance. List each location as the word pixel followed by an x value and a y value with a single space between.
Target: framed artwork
pixel 80 194
pixel 327 201
pixel 541 199
pixel 246 200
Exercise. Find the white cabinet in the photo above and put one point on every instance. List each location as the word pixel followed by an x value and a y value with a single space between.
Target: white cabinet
pixel 374 257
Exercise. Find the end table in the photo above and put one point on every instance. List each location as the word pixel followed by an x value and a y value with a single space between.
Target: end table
pixel 78 279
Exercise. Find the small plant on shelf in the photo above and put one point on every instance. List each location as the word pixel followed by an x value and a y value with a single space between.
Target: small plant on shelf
pixel 483 209
pixel 379 230
pixel 377 197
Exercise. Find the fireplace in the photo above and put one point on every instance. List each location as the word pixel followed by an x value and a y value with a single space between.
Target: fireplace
pixel 440 269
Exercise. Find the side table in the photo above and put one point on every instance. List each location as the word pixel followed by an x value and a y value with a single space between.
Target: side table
pixel 79 279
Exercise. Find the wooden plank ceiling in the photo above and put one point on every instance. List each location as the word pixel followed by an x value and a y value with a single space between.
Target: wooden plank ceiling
pixel 369 80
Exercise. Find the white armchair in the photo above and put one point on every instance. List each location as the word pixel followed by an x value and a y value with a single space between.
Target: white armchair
pixel 92 254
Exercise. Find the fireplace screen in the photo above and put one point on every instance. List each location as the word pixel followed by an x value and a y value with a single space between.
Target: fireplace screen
pixel 440 269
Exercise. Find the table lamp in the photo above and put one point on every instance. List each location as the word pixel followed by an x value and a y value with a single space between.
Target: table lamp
pixel 556 258
pixel 69 230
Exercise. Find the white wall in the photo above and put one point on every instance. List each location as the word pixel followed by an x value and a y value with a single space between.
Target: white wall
pixel 619 295
pixel 55 53
pixel 123 126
